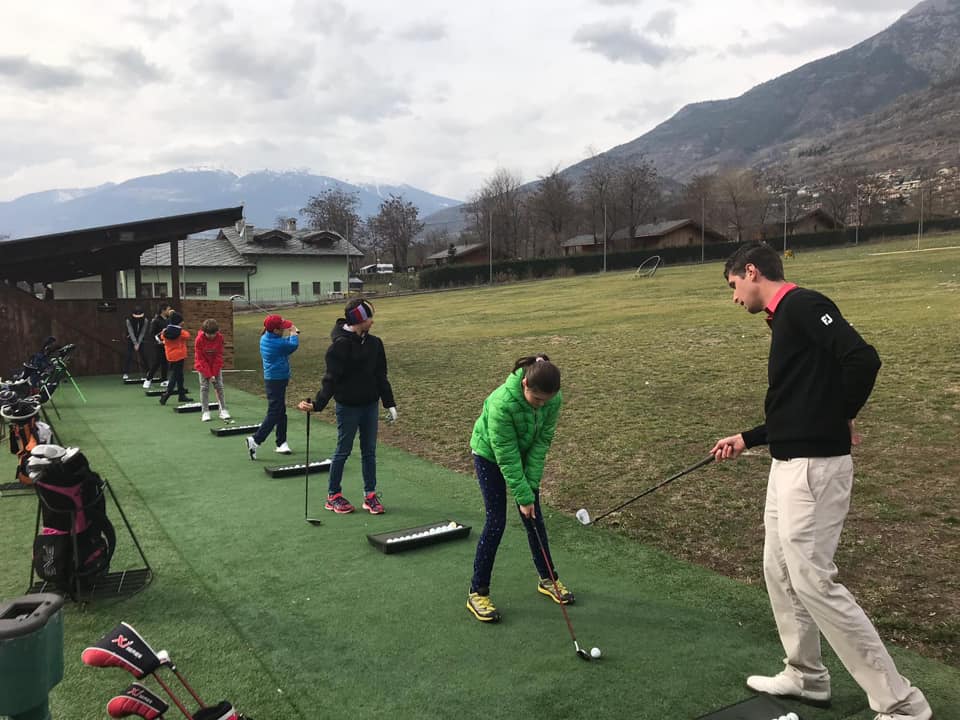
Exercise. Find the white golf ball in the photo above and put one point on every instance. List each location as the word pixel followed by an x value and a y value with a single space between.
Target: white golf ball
pixel 595 652
pixel 792 716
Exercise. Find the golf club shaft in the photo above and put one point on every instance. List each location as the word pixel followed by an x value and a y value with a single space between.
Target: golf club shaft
pixel 184 682
pixel 659 485
pixel 306 476
pixel 173 697
pixel 553 579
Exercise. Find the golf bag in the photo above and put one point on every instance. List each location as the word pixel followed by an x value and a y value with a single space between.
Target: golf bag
pixel 45 369
pixel 77 540
pixel 26 430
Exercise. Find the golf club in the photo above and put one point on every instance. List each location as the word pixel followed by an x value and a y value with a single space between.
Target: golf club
pixel 306 482
pixel 583 654
pixel 166 661
pixel 584 517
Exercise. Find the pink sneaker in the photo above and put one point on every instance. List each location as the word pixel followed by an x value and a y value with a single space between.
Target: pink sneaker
pixel 372 503
pixel 339 504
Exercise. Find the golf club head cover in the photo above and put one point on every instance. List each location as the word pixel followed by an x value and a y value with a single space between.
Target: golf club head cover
pixel 137 700
pixel 222 711
pixel 124 648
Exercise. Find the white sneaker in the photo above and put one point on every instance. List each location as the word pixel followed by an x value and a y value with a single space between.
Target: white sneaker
pixel 252 447
pixel 126 377
pixel 284 449
pixel 163 384
pixel 224 415
pixel 783 685
pixel 926 714
pixel 146 384
pixel 205 417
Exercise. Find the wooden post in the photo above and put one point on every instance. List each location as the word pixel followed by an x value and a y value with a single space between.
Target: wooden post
pixel 175 272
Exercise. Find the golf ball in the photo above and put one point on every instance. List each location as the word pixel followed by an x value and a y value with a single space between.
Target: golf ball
pixel 792 716
pixel 595 652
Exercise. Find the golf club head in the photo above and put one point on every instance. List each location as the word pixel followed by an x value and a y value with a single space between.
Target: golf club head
pixel 139 701
pixel 314 521
pixel 583 516
pixel 123 647
pixel 584 655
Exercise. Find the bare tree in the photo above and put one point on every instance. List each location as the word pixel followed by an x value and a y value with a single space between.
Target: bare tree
pixel 497 213
pixel 839 194
pixel 334 209
pixel 637 187
pixel 554 206
pixel 738 191
pixel 596 196
pixel 398 222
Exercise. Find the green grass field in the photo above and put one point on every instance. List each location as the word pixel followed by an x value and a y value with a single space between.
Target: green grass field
pixel 289 620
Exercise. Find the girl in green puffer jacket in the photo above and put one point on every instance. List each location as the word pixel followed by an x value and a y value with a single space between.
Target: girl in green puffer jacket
pixel 510 442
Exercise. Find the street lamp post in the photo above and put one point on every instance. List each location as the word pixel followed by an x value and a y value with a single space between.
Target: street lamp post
pixel 784 223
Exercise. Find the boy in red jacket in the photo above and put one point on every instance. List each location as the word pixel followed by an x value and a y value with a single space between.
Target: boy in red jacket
pixel 208 361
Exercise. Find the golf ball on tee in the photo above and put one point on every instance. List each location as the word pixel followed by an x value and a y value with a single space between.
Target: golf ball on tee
pixel 595 652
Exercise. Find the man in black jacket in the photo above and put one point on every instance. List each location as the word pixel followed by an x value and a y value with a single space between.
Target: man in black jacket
pixel 356 378
pixel 820 373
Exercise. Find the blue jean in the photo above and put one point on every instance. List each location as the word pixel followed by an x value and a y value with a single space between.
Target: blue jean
pixel 276 416
pixel 351 418
pixel 494 490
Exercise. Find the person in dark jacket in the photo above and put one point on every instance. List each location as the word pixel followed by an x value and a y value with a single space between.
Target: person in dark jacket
pixel 136 327
pixel 279 339
pixel 356 378
pixel 510 441
pixel 158 362
pixel 820 373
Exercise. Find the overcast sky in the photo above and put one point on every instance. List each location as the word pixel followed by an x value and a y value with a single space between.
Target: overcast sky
pixel 434 93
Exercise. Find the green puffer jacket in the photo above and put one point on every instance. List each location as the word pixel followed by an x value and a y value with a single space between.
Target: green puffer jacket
pixel 516 436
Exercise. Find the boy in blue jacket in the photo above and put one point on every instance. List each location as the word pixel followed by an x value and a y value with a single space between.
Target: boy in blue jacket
pixel 280 339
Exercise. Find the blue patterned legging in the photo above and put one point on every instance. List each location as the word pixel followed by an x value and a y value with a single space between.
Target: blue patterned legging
pixel 494 490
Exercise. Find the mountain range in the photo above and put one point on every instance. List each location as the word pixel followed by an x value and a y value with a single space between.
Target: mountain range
pixel 788 118
pixel 265 196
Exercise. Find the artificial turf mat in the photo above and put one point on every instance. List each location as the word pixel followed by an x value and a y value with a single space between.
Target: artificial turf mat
pixel 288 620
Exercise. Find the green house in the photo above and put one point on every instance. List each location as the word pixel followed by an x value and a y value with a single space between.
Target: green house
pixel 263 265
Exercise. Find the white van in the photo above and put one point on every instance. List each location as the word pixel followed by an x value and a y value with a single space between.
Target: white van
pixel 377 269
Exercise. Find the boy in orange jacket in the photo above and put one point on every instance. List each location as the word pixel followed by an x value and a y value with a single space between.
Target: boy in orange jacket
pixel 174 339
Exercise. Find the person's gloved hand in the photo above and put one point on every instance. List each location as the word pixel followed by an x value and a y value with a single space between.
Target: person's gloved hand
pixel 392 415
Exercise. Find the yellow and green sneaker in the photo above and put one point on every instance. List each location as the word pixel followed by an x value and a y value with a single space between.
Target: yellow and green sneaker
pixel 482 607
pixel 558 594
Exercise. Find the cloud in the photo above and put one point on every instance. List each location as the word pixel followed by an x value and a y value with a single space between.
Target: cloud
pixel 130 65
pixel 864 6
pixel 271 72
pixel 619 42
pixel 424 32
pixel 827 32
pixel 31 75
pixel 332 19
pixel 662 23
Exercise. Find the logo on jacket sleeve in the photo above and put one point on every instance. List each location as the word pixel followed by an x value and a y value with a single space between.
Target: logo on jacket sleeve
pixel 826 319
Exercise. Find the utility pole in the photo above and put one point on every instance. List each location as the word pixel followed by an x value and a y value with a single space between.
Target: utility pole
pixel 604 237
pixel 856 233
pixel 703 231
pixel 490 248
pixel 920 223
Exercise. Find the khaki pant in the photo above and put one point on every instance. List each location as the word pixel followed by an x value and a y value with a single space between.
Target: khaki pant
pixel 807 503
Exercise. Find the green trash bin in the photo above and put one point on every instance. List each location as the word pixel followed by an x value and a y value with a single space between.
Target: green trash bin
pixel 31 654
